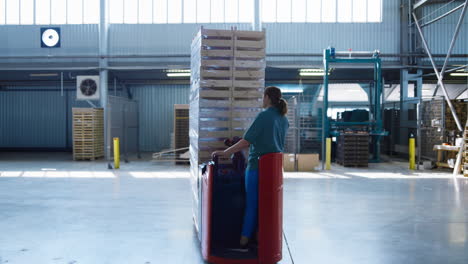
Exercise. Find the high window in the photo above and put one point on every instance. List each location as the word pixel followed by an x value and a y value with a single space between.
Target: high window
pixel 26 12
pixel 322 11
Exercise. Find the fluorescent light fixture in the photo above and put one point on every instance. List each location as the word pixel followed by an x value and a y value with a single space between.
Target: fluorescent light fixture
pixel 459 74
pixel 178 70
pixel 43 74
pixel 178 73
pixel 312 72
pixel 297 90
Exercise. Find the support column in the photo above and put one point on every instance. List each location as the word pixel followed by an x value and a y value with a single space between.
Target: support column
pixel 104 74
pixel 257 23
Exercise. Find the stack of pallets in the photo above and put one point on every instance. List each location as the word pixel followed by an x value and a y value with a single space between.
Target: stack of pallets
pixel 461 110
pixel 227 83
pixel 465 164
pixel 181 129
pixel 88 133
pixel 353 149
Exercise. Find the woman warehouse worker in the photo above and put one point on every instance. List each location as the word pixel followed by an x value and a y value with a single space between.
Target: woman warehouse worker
pixel 266 135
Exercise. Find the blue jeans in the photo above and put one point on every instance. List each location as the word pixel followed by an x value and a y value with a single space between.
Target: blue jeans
pixel 251 206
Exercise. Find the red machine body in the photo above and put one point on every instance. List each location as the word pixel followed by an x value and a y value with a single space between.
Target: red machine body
pixel 269 218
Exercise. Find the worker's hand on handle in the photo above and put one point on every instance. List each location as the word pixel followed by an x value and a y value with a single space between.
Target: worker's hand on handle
pixel 233 149
pixel 219 153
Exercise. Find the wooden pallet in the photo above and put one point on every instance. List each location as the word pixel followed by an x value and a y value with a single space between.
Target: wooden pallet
pixel 181 129
pixel 228 78
pixel 353 149
pixel 88 133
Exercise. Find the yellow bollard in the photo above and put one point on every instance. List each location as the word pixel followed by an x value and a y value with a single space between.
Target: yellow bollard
pixel 412 153
pixel 116 153
pixel 328 155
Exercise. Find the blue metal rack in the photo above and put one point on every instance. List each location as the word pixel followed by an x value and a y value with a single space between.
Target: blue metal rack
pixel 330 56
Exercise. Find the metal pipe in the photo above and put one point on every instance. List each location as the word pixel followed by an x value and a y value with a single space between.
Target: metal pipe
pixel 419 3
pixel 325 110
pixel 103 73
pixel 435 11
pixel 442 16
pixel 452 43
pixel 448 71
pixel 160 56
pixel 418 133
pixel 257 23
pixel 426 47
pixel 61 83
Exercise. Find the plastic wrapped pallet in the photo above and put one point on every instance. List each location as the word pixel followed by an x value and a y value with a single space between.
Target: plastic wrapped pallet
pixel 227 83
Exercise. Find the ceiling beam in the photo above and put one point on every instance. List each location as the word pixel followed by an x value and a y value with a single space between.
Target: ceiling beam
pixel 419 3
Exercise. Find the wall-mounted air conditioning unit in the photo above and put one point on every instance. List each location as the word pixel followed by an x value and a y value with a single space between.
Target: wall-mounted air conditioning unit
pixel 87 87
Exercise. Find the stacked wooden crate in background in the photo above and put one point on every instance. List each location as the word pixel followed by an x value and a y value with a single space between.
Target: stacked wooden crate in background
pixel 88 133
pixel 465 164
pixel 227 83
pixel 353 149
pixel 181 128
pixel 461 110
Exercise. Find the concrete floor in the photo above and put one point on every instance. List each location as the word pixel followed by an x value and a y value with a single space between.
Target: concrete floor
pixel 54 210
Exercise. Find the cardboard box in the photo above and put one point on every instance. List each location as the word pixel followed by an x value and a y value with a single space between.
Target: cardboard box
pixel 307 162
pixel 289 162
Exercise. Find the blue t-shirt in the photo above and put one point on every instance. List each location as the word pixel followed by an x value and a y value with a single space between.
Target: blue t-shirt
pixel 266 135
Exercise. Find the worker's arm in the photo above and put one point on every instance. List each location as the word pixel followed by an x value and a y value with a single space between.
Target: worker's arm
pixel 242 144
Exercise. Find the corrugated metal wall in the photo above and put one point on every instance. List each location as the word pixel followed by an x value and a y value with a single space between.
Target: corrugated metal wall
pixel 39 117
pixel 165 39
pixel 36 117
pixel 314 37
pixel 156 106
pixel 24 40
pixel 440 33
pixel 32 119
pixel 128 39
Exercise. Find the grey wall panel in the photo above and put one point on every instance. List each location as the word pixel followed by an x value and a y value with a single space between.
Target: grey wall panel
pixel 32 119
pixel 37 117
pixel 167 39
pixel 314 37
pixel 156 107
pixel 440 33
pixel 24 40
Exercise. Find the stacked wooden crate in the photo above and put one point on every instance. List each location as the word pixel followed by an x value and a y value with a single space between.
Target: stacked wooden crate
pixel 181 128
pixel 292 137
pixel 88 133
pixel 465 164
pixel 461 110
pixel 227 83
pixel 353 149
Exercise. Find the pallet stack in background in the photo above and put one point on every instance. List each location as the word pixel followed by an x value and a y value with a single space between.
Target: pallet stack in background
pixel 353 149
pixel 392 125
pixel 227 83
pixel 181 128
pixel 292 137
pixel 461 110
pixel 88 133
pixel 465 154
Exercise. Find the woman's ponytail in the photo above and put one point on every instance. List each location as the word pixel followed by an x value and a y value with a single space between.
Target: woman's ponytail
pixel 274 93
pixel 282 106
